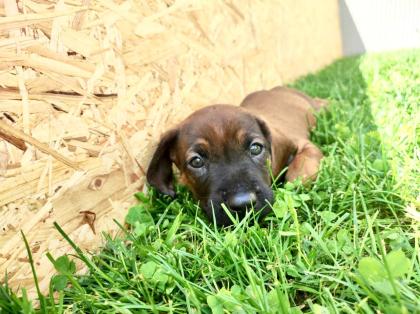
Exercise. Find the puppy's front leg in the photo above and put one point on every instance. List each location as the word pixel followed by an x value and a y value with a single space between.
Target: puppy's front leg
pixel 305 163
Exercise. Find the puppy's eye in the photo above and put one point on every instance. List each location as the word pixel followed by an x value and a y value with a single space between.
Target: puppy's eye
pixel 256 149
pixel 196 162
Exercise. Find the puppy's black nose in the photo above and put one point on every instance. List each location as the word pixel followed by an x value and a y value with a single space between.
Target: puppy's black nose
pixel 240 201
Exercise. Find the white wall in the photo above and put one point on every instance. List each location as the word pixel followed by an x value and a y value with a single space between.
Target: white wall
pixel 379 25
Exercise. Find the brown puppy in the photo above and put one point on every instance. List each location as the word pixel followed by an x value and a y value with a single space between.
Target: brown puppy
pixel 223 151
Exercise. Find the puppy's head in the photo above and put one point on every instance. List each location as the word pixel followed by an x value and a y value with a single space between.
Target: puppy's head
pixel 222 153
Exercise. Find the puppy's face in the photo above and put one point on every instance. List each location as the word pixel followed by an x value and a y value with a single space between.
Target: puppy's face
pixel 222 153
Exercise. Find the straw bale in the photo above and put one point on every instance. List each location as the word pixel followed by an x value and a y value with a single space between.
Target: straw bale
pixel 87 87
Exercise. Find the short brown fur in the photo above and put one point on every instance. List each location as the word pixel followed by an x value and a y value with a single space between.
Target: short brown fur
pixel 289 116
pixel 278 121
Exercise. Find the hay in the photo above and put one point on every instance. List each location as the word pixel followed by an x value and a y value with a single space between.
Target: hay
pixel 87 87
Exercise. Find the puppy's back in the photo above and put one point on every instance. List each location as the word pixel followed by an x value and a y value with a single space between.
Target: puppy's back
pixel 284 109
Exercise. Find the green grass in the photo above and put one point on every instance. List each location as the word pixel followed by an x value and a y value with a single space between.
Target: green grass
pixel 347 244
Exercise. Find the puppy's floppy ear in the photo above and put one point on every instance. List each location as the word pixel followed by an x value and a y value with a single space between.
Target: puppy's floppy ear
pixel 265 130
pixel 280 146
pixel 159 173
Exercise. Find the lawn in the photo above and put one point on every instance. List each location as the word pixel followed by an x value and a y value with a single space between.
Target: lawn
pixel 347 244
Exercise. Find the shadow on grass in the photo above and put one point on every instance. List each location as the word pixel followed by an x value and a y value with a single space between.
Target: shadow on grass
pixel 356 168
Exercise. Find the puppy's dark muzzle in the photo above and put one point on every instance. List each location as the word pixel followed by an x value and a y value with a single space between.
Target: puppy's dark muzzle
pixel 239 202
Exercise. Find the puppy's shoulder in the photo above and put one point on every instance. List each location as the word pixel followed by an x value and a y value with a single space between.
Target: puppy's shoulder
pixel 256 98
